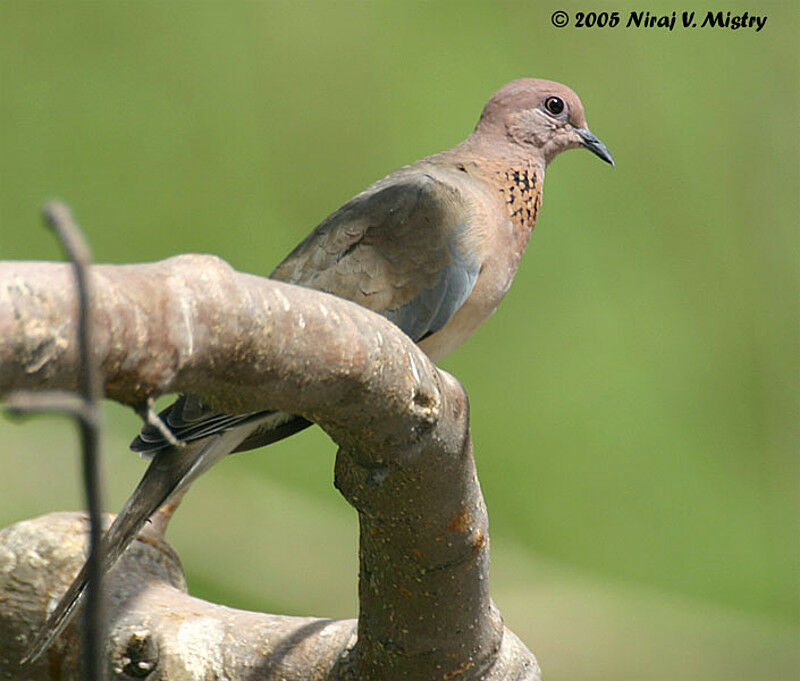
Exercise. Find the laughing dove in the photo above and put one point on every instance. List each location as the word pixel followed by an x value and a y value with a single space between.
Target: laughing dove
pixel 433 247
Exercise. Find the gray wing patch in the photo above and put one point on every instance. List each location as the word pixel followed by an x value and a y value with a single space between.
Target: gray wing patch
pixel 434 307
pixel 397 249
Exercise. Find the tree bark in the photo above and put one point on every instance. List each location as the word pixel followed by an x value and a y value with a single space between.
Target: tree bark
pixel 192 324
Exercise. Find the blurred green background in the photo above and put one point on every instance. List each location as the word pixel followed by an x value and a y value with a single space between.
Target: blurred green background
pixel 634 400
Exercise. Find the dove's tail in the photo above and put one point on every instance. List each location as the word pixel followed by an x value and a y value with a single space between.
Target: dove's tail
pixel 170 471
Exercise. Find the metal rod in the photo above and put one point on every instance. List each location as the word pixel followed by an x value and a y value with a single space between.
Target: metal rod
pixel 58 216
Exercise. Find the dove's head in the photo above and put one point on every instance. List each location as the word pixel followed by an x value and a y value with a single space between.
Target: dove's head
pixel 538 119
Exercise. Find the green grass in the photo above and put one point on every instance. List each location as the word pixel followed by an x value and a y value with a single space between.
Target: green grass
pixel 635 399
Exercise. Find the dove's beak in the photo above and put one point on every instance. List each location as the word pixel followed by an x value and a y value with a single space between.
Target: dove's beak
pixel 594 145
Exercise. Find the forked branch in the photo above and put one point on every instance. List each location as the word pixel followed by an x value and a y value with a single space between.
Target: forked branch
pixel 192 324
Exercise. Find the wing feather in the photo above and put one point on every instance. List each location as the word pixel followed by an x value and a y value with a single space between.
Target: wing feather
pixel 398 248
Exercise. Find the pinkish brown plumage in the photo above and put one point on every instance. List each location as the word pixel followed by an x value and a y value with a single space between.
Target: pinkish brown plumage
pixel 433 246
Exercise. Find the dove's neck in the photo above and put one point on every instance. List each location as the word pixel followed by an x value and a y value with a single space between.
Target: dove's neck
pixel 516 179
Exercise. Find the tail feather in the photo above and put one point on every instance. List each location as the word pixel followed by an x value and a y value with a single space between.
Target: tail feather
pixel 169 472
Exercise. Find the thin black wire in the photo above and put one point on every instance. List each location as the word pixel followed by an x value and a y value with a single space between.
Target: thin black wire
pixel 58 216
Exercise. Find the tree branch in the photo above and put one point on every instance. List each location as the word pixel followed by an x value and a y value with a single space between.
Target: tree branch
pixel 192 324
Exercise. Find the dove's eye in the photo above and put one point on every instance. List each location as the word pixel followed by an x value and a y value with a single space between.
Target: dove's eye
pixel 554 105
